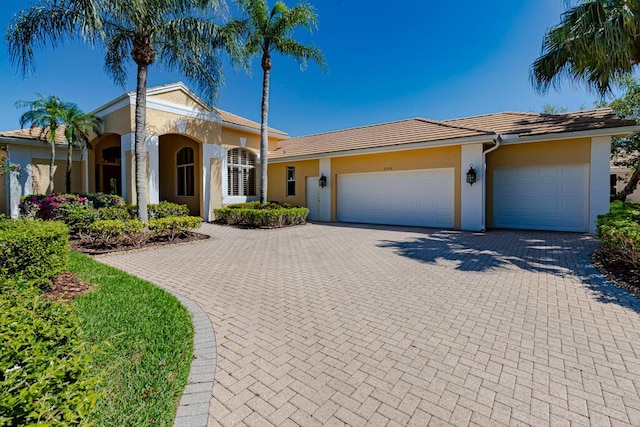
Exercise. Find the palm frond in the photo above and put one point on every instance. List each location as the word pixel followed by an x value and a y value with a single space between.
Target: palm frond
pixel 118 46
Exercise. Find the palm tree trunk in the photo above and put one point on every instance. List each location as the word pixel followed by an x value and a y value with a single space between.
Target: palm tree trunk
pixel 69 162
pixel 264 129
pixel 52 165
pixel 141 143
pixel 630 187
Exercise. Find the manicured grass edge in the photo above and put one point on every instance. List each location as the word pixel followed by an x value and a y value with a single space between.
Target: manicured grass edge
pixel 147 339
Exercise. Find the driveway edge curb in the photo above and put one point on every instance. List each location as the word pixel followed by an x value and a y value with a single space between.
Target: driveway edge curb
pixel 193 409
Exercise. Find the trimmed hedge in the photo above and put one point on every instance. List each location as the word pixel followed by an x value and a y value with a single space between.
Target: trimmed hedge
pixel 44 366
pixel 32 249
pixel 619 232
pixel 255 215
pixel 167 209
pixel 173 226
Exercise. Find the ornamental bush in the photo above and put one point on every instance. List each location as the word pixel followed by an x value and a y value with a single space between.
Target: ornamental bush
pixel 33 250
pixel 167 209
pixel 619 232
pixel 44 366
pixel 174 226
pixel 255 215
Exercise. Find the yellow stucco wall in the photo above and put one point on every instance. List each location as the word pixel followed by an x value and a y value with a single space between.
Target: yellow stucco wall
pixel 40 176
pixel 169 147
pixel 120 121
pixel 277 185
pixel 94 156
pixel 232 137
pixel 162 123
pixel 570 151
pixel 428 158
pixel 177 97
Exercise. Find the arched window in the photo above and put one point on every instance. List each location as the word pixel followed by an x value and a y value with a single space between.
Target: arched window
pixel 186 179
pixel 241 173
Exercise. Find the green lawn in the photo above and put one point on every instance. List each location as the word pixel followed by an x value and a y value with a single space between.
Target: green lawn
pixel 146 338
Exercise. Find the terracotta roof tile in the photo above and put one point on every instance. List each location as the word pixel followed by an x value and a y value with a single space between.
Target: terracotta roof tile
pixel 34 133
pixel 241 121
pixel 538 124
pixel 373 136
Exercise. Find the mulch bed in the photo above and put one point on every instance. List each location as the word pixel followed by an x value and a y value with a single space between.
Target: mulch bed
pixel 87 248
pixel 617 272
pixel 66 287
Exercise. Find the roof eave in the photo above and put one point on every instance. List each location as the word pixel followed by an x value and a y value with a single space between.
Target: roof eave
pixel 591 133
pixel 389 148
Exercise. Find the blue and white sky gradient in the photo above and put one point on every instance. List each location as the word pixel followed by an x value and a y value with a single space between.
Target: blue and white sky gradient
pixel 386 61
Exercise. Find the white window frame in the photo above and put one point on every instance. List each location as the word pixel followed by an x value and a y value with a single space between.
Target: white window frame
pixel 230 199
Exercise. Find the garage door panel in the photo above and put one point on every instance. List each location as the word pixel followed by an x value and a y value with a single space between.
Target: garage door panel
pixel 422 197
pixel 542 197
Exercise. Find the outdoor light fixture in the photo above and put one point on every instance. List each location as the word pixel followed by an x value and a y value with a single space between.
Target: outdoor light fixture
pixel 322 181
pixel 471 175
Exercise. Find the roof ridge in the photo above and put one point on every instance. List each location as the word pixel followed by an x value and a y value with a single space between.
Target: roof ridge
pixel 442 123
pixel 355 128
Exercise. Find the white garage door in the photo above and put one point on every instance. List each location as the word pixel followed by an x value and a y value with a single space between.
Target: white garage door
pixel 542 197
pixel 421 198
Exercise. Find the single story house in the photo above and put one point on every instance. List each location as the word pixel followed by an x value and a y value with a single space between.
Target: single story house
pixel 506 170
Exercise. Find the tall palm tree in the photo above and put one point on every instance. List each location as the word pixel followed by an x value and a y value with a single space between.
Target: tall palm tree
pixel 271 31
pixel 596 41
pixel 78 128
pixel 181 34
pixel 46 114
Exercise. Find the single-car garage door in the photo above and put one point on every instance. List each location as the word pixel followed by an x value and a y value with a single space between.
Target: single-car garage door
pixel 420 197
pixel 551 197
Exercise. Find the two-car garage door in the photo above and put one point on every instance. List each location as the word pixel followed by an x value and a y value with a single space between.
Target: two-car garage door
pixel 549 197
pixel 418 197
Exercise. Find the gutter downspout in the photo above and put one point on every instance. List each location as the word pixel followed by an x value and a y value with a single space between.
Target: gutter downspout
pixel 496 145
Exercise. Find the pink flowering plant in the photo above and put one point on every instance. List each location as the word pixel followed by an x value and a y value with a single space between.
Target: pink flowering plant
pixel 7 166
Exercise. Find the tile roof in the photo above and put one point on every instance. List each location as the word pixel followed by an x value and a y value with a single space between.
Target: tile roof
pixel 34 133
pixel 373 136
pixel 234 119
pixel 538 124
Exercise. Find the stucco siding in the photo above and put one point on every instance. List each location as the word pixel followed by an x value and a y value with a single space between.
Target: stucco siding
pixel 40 176
pixel 572 151
pixel 120 121
pixel 277 187
pixel 177 96
pixel 162 122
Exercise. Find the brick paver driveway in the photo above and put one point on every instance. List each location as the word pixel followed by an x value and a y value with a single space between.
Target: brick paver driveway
pixel 333 325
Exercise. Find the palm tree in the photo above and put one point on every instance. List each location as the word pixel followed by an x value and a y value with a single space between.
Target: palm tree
pixel 181 34
pixel 46 114
pixel 269 32
pixel 596 41
pixel 78 128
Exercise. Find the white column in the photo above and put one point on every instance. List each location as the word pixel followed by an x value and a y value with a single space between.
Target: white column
pixel 599 179
pixel 209 151
pixel 153 154
pixel 127 143
pixel 324 211
pixel 471 196
pixel 19 184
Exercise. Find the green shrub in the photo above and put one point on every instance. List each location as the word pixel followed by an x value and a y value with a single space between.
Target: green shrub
pixel 44 366
pixel 272 215
pixel 78 217
pixel 33 249
pixel 167 209
pixel 110 232
pixel 119 212
pixel 102 200
pixel 174 225
pixel 619 232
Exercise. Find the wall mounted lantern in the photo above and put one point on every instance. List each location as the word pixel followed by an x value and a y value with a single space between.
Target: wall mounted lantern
pixel 322 181
pixel 471 175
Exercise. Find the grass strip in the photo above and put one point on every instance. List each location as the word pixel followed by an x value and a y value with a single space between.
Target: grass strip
pixel 147 341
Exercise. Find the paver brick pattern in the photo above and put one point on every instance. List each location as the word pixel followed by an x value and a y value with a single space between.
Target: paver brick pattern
pixel 354 325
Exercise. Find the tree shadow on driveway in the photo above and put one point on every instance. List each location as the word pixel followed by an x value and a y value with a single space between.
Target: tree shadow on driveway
pixel 559 254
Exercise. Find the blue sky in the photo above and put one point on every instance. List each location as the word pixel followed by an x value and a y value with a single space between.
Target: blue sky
pixel 386 61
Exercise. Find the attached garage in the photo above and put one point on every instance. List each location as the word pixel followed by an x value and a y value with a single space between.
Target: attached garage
pixel 548 197
pixel 417 198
